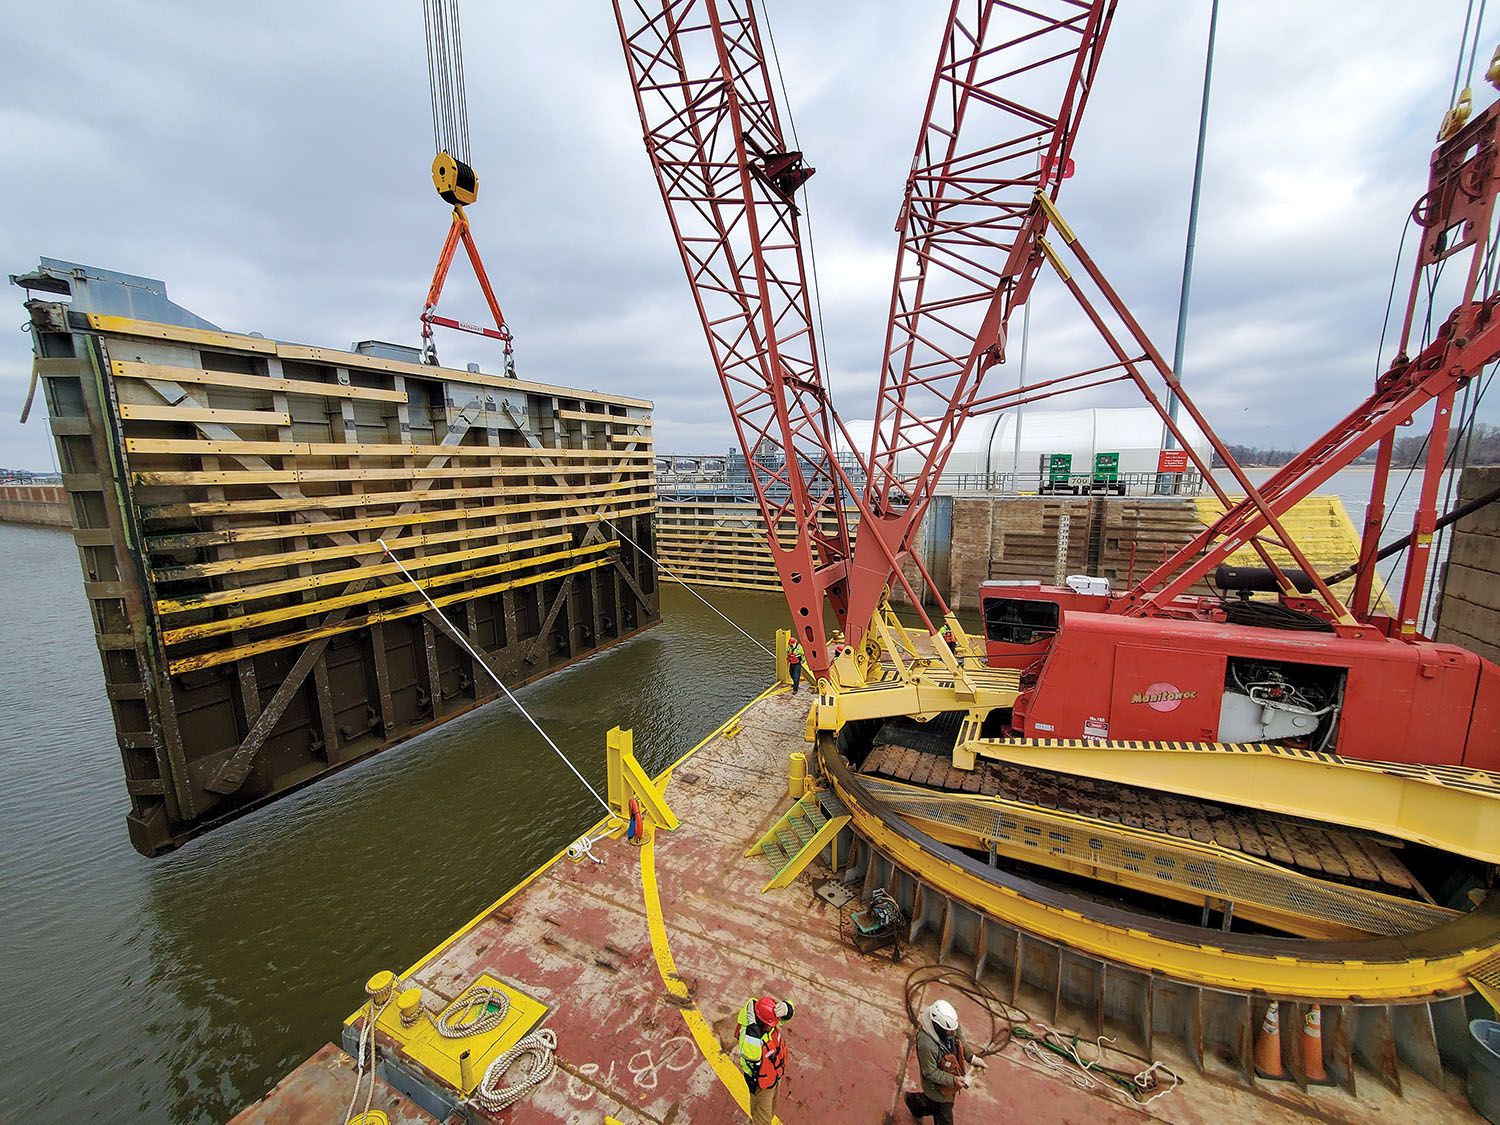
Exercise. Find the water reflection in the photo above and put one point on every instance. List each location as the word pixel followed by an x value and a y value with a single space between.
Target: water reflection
pixel 181 988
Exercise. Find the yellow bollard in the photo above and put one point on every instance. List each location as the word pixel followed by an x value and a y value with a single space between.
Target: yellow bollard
pixel 797 780
pixel 465 1072
pixel 409 1005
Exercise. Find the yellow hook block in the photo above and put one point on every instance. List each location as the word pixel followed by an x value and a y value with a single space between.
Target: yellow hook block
pixel 1454 119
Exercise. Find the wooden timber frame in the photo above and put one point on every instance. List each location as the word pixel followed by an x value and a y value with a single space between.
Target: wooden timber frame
pixel 227 493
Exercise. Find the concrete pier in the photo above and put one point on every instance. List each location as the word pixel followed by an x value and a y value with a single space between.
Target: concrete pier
pixel 1469 613
pixel 43 504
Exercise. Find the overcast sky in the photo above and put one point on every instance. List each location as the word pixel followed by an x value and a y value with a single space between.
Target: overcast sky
pixel 269 162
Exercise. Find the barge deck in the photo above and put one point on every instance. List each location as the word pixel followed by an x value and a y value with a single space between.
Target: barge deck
pixel 643 960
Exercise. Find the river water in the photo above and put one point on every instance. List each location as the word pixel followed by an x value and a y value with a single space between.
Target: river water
pixel 178 989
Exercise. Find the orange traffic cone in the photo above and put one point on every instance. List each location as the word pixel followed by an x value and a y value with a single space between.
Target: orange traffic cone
pixel 1312 1046
pixel 1268 1044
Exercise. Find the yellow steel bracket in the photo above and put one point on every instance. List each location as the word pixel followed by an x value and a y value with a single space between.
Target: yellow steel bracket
pixel 627 780
pixel 783 639
pixel 893 637
pixel 894 627
pixel 1054 216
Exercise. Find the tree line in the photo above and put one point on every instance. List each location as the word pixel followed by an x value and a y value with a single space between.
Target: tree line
pixel 1484 449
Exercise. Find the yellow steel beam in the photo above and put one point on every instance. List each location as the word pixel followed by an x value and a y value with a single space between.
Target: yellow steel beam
pixel 234 595
pixel 331 357
pixel 286 640
pixel 145 329
pixel 128 369
pixel 146 412
pixel 200 446
pixel 596 416
pixel 1449 808
pixel 374 499
pixel 405 472
pixel 1438 964
pixel 930 690
pixel 262 532
pixel 281 559
pixel 309 609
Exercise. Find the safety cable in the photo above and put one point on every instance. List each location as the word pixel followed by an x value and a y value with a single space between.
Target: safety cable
pixel 812 252
pixel 1458 64
pixel 1474 43
pixel 445 78
pixel 464 640
pixel 663 566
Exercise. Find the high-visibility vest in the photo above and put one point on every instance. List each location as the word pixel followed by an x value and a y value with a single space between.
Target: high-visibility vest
pixel 762 1055
pixel 794 653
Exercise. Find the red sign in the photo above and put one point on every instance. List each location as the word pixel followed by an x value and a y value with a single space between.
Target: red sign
pixel 1171 461
pixel 1067 170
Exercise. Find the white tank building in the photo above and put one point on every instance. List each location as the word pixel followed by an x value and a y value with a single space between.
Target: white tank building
pixel 987 447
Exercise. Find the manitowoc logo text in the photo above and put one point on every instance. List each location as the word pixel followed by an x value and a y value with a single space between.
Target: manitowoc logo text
pixel 1153 696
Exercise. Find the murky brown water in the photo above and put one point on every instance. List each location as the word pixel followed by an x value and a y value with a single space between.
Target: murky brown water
pixel 181 988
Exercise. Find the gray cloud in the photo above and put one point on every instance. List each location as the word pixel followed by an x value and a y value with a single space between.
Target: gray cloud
pixel 269 162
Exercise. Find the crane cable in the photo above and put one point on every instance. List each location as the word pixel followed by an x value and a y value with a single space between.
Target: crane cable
pixel 480 661
pixel 662 566
pixel 445 78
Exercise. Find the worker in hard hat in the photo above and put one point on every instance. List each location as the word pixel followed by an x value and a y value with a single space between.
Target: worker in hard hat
pixel 762 1051
pixel 837 646
pixel 796 656
pixel 949 637
pixel 944 1058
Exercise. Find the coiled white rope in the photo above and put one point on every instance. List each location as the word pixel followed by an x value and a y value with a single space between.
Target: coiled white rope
pixel 458 1020
pixel 534 1053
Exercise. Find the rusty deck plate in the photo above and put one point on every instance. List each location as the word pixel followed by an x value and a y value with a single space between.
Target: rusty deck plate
pixel 576 936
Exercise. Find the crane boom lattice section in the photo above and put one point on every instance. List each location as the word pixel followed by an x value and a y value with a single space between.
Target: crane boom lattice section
pixel 1007 95
pixel 727 179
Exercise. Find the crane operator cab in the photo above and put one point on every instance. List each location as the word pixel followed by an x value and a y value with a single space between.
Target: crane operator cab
pixel 1204 674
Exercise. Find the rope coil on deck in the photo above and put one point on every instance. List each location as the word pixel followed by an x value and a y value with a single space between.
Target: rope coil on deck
pixel 460 1018
pixel 535 1053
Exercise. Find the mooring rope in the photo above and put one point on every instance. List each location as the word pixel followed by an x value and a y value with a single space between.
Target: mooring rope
pixel 535 1053
pixel 663 566
pixel 479 660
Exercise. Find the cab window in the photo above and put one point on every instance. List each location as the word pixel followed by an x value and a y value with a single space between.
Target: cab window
pixel 1019 621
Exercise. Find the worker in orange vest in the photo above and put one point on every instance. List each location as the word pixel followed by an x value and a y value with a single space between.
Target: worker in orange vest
pixel 795 657
pixel 946 632
pixel 762 1050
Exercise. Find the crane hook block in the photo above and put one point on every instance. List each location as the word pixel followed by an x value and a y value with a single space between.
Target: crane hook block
pixel 455 181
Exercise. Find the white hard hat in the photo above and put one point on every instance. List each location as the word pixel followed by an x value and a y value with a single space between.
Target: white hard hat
pixel 942 1015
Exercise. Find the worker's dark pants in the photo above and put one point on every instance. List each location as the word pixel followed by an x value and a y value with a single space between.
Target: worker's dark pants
pixel 794 669
pixel 923 1106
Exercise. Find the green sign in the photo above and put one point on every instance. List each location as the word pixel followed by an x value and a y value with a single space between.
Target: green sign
pixel 1107 467
pixel 1057 467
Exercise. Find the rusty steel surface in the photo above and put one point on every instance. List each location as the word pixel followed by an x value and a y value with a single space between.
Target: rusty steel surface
pixel 319 1090
pixel 577 936
pixel 228 492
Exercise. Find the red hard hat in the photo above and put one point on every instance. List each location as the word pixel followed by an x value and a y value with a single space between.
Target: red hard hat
pixel 765 1011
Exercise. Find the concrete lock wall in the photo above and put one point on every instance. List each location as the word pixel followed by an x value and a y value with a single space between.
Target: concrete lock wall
pixel 35 503
pixel 1469 613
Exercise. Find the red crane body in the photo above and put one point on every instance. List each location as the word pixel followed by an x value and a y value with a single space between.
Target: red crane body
pixel 1152 662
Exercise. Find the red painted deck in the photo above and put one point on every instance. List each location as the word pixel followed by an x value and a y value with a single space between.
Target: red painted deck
pixel 577 937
